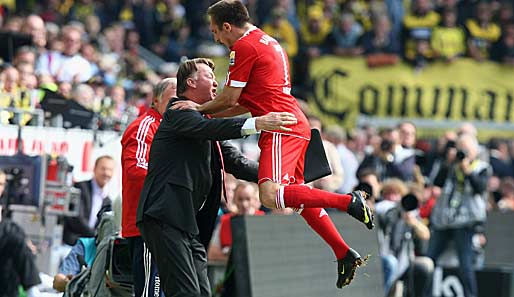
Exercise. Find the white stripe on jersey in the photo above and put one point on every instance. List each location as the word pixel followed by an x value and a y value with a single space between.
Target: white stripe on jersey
pixel 142 146
pixel 237 84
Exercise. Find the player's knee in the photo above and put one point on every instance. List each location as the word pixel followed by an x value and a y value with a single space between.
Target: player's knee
pixel 268 193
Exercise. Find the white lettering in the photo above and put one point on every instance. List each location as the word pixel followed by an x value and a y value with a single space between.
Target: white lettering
pixel 266 39
pixel 157 286
pixel 450 286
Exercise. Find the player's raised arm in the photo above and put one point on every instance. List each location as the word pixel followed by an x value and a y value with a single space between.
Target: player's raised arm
pixel 225 100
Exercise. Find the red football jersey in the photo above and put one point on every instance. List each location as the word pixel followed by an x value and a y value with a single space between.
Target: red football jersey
pixel 135 143
pixel 259 65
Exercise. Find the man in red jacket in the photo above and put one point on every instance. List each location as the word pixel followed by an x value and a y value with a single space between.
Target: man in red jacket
pixel 136 143
pixel 246 199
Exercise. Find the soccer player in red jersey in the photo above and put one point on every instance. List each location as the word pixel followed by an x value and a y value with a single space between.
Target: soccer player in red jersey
pixel 258 81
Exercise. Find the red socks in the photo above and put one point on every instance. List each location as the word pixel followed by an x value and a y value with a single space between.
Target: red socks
pixel 321 223
pixel 312 201
pixel 301 196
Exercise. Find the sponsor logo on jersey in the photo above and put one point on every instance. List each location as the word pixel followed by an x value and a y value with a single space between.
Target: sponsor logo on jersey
pixel 232 58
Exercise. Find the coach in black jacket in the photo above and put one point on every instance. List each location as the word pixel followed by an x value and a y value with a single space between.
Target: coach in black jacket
pixel 181 194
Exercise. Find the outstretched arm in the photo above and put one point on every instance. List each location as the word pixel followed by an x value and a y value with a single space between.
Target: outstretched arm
pixel 231 112
pixel 192 124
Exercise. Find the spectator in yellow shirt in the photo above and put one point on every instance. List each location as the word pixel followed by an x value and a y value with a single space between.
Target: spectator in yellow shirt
pixel 482 32
pixel 449 41
pixel 315 30
pixel 279 28
pixel 313 36
pixel 418 26
pixel 12 96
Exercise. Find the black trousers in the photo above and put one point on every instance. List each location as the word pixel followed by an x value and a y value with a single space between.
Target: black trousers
pixel 180 257
pixel 144 270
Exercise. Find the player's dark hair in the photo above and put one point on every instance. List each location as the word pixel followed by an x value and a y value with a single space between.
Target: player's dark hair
pixel 229 11
pixel 188 68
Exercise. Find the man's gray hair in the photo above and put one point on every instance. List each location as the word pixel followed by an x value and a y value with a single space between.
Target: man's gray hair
pixel 335 133
pixel 470 139
pixel 159 88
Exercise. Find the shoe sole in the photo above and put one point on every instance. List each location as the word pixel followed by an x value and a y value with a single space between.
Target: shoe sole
pixel 358 262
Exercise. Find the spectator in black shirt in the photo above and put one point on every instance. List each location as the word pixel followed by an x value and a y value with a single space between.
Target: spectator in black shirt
pixel 503 50
pixel 380 39
pixel 17 263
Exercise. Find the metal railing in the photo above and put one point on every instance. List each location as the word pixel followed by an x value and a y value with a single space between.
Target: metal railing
pixel 38 115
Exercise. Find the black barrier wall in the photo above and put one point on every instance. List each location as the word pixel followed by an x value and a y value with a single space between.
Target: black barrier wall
pixel 279 256
pixel 496 278
pixel 499 251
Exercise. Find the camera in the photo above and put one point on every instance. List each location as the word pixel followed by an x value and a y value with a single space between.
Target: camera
pixel 409 202
pixel 386 145
pixel 461 155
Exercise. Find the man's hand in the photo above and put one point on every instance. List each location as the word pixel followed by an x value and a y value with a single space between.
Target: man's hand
pixel 410 218
pixel 275 121
pixel 185 104
pixel 60 281
pixel 465 166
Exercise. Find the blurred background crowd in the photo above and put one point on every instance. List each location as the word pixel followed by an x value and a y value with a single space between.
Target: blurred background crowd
pixel 104 57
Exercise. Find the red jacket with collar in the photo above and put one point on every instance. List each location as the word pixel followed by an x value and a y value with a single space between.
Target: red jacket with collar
pixel 226 228
pixel 135 149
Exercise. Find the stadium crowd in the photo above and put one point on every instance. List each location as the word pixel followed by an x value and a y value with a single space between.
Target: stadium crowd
pixel 107 40
pixel 96 54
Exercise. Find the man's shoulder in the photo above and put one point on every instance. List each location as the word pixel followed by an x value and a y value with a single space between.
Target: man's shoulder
pixel 147 120
pixel 249 41
pixel 175 114
pixel 86 184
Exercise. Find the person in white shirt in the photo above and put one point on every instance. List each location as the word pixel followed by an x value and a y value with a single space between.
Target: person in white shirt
pixel 68 66
pixel 349 161
pixel 93 196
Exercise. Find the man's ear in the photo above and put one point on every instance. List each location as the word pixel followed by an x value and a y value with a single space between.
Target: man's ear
pixel 227 27
pixel 191 82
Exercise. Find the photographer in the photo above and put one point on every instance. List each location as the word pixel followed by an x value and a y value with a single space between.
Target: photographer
pixel 460 211
pixel 402 238
pixel 443 155
pixel 382 162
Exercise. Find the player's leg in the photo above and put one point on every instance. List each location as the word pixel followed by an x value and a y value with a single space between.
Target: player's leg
pixel 281 162
pixel 318 219
pixel 280 169
pixel 299 196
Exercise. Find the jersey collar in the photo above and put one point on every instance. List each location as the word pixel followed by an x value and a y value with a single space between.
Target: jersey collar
pixel 252 28
pixel 248 31
pixel 154 113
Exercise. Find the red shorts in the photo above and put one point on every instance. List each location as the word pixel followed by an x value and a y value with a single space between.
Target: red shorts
pixel 282 158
